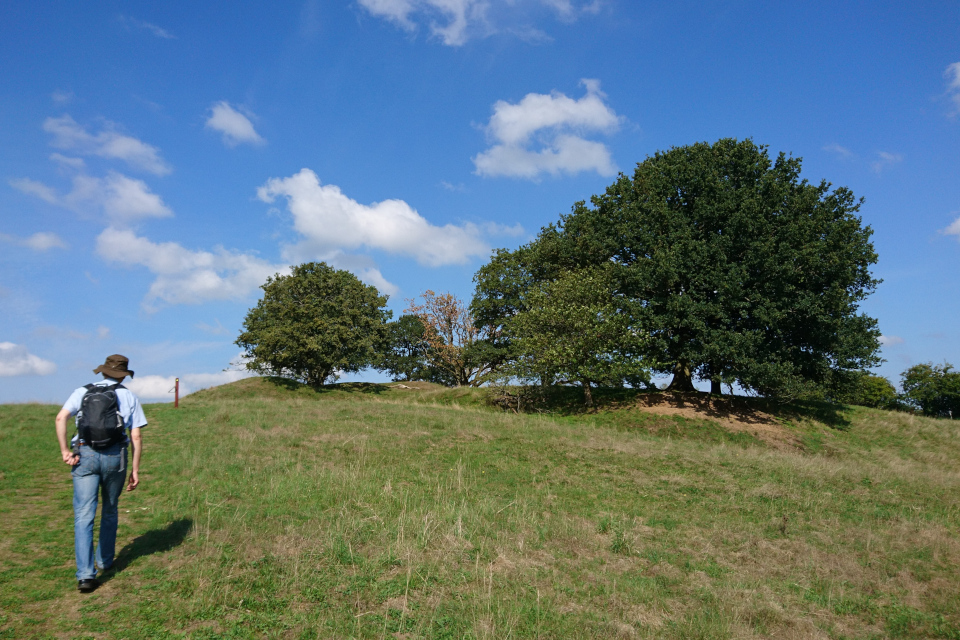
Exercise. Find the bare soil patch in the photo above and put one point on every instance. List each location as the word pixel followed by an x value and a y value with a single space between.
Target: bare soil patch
pixel 733 414
pixel 416 385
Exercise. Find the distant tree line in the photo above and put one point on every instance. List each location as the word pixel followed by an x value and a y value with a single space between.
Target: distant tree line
pixel 713 263
pixel 933 390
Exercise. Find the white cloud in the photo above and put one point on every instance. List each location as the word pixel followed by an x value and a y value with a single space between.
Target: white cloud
pixel 15 360
pixel 565 154
pixel 884 160
pixel 122 199
pixel 184 276
pixel 235 126
pixel 108 143
pixel 359 265
pixel 953 229
pixel 41 241
pixel 151 387
pixel 456 14
pixel 331 221
pixel 952 74
pixel 454 22
pixel 44 240
pixel 159 32
pixel 103 332
pixel 161 387
pixel 889 341
pixel 553 122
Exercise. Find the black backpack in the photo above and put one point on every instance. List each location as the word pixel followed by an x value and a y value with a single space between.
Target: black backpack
pixel 99 423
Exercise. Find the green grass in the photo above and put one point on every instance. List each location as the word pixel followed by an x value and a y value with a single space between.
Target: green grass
pixel 272 510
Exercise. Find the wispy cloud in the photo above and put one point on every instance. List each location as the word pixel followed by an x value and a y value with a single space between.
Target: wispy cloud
pixel 121 199
pixel 158 31
pixel 890 341
pixel 62 97
pixel 35 188
pixel 16 360
pixel 841 151
pixel 235 126
pixel 216 329
pixel 885 160
pixel 68 161
pixel 543 134
pixel 449 186
pixel 952 75
pixel 454 22
pixel 107 143
pixel 41 241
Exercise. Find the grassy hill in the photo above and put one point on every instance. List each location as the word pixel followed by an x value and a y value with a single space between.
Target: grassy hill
pixel 272 510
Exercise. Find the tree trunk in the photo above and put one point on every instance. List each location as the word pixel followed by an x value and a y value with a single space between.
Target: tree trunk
pixel 715 387
pixel 587 394
pixel 682 379
pixel 316 378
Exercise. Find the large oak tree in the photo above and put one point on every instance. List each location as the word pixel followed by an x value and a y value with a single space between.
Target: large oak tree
pixel 739 269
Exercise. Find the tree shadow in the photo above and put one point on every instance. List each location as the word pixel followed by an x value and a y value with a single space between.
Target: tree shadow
pixel 568 400
pixel 284 383
pixel 831 414
pixel 154 541
pixel 348 387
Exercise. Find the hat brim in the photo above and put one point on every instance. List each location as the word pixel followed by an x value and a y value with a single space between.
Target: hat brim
pixel 113 373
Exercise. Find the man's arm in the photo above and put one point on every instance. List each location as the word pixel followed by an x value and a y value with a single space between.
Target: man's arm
pixel 137 441
pixel 69 456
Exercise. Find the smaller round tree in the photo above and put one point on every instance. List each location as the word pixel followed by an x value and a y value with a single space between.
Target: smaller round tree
pixel 313 324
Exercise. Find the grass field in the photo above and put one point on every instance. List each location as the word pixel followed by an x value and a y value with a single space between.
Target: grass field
pixel 267 510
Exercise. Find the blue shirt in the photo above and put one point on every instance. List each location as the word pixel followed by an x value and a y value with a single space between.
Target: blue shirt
pixel 130 409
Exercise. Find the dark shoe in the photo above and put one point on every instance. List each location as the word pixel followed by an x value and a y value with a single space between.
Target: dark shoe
pixel 88 585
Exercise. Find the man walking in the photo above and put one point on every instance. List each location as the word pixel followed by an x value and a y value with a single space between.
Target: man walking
pixel 109 418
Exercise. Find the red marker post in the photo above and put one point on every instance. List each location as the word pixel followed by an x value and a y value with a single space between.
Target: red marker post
pixel 176 394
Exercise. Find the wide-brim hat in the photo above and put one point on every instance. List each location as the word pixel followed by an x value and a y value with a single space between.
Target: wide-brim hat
pixel 116 366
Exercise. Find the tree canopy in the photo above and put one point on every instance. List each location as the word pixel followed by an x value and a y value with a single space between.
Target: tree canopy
pixel 575 329
pixel 738 269
pixel 456 346
pixel 869 390
pixel 934 389
pixel 314 323
pixel 407 356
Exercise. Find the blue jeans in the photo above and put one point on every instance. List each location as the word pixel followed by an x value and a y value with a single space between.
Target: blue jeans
pixel 100 472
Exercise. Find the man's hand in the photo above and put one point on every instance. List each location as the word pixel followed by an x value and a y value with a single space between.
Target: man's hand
pixel 133 481
pixel 68 456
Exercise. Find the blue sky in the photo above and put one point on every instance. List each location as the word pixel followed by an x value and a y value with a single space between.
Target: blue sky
pixel 158 161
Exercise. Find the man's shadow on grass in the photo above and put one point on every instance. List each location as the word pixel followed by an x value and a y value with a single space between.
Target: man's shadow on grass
pixel 154 541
